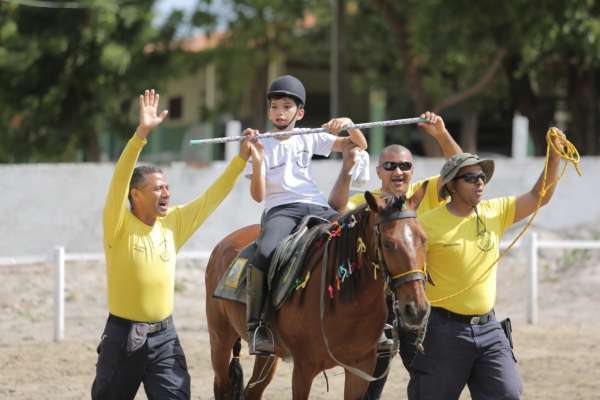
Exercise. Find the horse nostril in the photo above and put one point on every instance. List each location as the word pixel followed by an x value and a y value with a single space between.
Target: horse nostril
pixel 410 310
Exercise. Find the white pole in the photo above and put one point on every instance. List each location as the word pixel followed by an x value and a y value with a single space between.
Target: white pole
pixel 532 280
pixel 520 135
pixel 59 294
pixel 307 131
pixel 232 128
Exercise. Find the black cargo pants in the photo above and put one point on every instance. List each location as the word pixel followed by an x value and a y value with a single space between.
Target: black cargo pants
pixel 159 363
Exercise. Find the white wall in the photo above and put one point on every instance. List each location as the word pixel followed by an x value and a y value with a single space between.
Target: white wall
pixel 46 205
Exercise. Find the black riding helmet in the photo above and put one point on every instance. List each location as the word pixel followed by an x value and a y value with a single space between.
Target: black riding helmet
pixel 287 85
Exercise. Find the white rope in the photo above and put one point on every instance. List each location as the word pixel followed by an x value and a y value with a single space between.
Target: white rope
pixel 306 131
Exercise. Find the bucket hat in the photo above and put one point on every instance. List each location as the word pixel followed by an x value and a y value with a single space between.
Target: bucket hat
pixel 458 161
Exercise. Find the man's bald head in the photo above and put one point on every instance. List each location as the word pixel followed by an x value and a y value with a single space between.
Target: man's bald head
pixel 393 150
pixel 396 179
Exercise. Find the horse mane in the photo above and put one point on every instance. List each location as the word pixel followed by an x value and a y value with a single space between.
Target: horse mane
pixel 350 262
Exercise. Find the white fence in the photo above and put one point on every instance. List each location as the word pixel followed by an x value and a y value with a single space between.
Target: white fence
pixel 59 257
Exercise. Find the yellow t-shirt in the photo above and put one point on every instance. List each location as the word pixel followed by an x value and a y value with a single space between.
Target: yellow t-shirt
pixel 140 259
pixel 430 200
pixel 457 256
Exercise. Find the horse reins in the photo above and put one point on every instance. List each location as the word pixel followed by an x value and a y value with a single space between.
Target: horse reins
pixel 398 279
pixel 403 277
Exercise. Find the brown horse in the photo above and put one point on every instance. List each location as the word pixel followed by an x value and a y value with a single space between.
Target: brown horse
pixel 341 310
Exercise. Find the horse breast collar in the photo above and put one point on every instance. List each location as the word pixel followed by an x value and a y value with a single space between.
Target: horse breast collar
pixel 403 277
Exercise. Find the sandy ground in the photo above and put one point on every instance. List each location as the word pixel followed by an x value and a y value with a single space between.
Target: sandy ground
pixel 559 358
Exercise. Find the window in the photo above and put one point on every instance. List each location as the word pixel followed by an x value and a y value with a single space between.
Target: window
pixel 175 107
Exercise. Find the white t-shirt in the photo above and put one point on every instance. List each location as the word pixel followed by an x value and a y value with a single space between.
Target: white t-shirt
pixel 287 169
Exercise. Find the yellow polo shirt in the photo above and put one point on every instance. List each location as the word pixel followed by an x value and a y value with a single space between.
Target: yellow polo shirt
pixel 140 259
pixel 457 255
pixel 430 200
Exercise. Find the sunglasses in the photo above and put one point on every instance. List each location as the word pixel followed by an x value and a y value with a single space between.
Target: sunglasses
pixel 391 165
pixel 471 177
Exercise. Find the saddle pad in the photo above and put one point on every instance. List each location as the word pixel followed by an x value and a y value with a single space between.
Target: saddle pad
pixel 232 285
pixel 286 263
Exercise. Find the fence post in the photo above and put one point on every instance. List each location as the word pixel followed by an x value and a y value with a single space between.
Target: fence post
pixel 532 279
pixel 59 293
pixel 232 128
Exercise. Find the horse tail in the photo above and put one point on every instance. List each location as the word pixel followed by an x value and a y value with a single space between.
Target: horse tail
pixel 236 373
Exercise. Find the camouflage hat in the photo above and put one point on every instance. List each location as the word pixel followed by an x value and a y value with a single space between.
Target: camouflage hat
pixel 456 162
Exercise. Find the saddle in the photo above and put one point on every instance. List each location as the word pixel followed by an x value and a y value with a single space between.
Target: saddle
pixel 286 263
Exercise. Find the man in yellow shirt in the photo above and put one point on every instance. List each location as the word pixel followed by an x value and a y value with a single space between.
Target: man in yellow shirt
pixel 139 343
pixel 465 344
pixel 395 170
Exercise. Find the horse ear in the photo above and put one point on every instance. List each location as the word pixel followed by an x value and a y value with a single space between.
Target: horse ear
pixel 372 201
pixel 415 200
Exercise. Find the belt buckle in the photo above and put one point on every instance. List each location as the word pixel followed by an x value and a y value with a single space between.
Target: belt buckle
pixel 154 327
pixel 475 320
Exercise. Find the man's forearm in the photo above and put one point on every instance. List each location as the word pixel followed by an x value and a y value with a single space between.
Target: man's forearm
pixel 448 144
pixel 340 193
pixel 550 182
pixel 116 198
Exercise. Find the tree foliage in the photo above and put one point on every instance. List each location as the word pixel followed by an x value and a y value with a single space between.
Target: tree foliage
pixel 67 73
pixel 467 58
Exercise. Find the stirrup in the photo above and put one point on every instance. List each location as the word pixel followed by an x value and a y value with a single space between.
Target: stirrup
pixel 268 337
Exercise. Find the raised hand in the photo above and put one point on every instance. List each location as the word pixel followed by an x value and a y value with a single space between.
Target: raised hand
pixel 434 125
pixel 251 146
pixel 149 118
pixel 336 125
pixel 558 142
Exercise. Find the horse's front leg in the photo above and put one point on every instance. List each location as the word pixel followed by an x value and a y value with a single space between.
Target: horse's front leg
pixel 302 378
pixel 355 388
pixel 262 374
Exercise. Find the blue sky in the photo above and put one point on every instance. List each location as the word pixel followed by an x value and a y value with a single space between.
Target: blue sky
pixel 167 5
pixel 163 8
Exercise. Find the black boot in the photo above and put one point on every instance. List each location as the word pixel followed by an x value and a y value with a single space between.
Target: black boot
pixel 259 336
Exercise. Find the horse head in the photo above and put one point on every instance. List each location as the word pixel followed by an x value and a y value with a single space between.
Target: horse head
pixel 400 249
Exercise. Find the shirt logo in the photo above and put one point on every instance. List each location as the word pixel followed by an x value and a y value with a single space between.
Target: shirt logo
pixel 277 166
pixel 302 158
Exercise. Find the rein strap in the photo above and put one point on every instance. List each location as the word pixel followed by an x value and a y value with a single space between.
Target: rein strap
pixel 396 215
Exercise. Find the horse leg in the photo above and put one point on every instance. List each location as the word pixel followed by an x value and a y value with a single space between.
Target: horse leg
pixel 222 339
pixel 302 378
pixel 262 374
pixel 355 388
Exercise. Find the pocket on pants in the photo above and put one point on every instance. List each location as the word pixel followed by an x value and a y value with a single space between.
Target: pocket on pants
pixel 182 362
pixel 179 354
pixel 109 354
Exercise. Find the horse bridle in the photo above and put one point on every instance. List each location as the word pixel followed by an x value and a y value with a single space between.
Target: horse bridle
pixel 403 277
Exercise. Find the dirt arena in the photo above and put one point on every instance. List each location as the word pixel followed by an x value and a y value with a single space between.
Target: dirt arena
pixel 559 358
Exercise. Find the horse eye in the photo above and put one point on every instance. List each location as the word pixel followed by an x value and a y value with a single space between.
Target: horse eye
pixel 389 245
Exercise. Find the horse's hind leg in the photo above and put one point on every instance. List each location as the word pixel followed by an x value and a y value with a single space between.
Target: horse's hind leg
pixel 222 339
pixel 262 374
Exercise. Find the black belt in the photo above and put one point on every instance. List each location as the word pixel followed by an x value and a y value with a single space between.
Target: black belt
pixel 153 327
pixel 467 319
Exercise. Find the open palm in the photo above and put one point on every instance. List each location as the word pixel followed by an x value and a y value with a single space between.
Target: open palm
pixel 149 118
